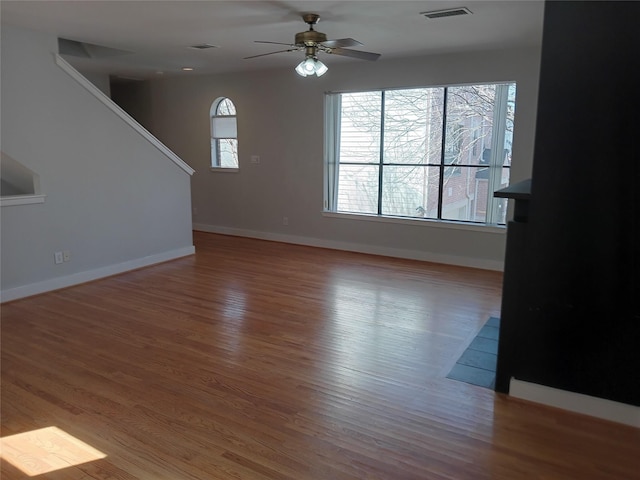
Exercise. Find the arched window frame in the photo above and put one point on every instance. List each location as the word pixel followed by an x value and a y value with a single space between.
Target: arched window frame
pixel 224 134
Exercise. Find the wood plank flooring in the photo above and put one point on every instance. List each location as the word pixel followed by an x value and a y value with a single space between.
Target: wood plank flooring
pixel 260 360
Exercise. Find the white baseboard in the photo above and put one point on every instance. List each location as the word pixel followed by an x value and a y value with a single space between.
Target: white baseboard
pixel 355 247
pixel 576 402
pixel 90 275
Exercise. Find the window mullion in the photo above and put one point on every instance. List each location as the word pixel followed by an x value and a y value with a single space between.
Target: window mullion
pixel 381 153
pixel 442 152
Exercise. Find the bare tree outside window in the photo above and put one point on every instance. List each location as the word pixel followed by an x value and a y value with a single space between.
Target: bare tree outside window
pixel 425 152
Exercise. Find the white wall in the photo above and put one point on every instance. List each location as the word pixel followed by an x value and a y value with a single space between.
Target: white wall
pixel 112 199
pixel 280 118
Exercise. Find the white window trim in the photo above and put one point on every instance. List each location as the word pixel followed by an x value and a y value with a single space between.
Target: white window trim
pixel 419 222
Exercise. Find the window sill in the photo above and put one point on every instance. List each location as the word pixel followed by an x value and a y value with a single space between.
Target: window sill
pixel 497 229
pixel 224 170
pixel 13 200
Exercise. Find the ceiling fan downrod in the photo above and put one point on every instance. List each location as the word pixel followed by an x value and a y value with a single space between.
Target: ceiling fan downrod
pixel 310 37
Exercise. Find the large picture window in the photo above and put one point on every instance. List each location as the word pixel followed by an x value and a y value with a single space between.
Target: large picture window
pixel 224 134
pixel 423 153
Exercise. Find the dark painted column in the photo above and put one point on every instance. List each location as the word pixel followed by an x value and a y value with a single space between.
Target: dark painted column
pixel 579 326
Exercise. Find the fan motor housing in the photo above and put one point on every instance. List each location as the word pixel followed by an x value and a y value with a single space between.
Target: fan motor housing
pixel 310 37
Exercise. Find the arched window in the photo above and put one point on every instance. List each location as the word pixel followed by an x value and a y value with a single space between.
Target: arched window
pixel 224 134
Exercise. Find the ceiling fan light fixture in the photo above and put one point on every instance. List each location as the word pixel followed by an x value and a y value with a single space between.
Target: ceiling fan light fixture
pixel 313 42
pixel 311 65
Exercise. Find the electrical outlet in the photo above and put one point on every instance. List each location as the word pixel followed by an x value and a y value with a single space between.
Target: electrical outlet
pixel 66 255
pixel 58 258
pixel 285 220
pixel 255 159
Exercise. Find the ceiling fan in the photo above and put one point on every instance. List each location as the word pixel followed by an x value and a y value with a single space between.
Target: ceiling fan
pixel 313 42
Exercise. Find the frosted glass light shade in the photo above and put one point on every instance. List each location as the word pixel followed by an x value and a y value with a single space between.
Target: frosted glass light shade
pixel 311 65
pixel 300 69
pixel 321 68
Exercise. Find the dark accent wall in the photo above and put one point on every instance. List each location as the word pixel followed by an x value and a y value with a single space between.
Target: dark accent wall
pixel 579 315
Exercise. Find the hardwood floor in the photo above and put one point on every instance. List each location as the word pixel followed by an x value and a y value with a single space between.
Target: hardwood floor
pixel 260 360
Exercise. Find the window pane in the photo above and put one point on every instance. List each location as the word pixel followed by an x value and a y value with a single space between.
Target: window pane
pixel 360 127
pixel 410 191
pixel 500 204
pixel 358 190
pixel 466 191
pixel 469 124
pixel 226 107
pixel 228 150
pixel 412 125
pixel 510 115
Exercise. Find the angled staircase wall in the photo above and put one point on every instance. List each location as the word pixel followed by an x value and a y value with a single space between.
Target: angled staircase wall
pixel 116 198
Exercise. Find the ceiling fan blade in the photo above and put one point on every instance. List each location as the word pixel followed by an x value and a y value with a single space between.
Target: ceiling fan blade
pixel 271 53
pixel 274 43
pixel 342 42
pixel 355 54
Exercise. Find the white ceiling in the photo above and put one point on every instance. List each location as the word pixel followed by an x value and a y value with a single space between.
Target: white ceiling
pixel 158 33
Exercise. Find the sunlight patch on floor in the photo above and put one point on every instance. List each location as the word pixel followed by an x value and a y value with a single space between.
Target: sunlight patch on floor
pixel 46 450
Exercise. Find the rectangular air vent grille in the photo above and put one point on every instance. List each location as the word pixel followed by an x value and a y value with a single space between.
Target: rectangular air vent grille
pixel 449 12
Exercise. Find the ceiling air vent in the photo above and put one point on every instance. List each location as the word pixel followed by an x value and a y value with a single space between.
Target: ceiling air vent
pixel 449 12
